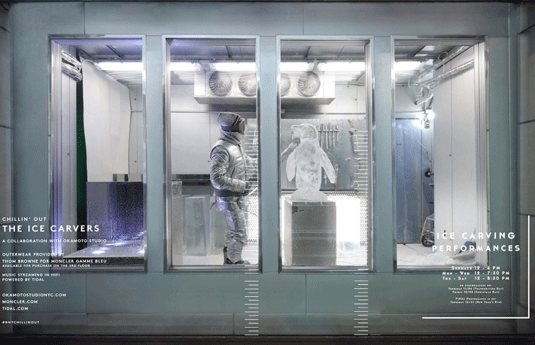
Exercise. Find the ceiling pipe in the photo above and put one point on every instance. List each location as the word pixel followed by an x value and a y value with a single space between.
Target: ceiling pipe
pixel 71 72
pixel 70 66
pixel 70 59
pixel 424 97
pixel 431 83
pixel 441 62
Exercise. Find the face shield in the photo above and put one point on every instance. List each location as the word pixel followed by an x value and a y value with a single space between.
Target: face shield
pixel 240 126
pixel 237 126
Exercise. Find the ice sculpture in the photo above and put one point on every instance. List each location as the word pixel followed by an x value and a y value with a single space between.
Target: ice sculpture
pixel 305 164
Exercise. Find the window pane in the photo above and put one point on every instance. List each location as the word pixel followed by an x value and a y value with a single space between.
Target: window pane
pixel 440 153
pixel 325 158
pixel 212 160
pixel 98 153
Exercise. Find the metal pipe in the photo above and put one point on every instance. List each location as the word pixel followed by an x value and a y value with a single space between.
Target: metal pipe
pixel 70 66
pixel 71 60
pixel 454 53
pixel 71 72
pixel 424 98
pixel 429 84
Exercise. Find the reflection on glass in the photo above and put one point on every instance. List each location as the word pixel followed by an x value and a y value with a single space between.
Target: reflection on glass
pixel 440 182
pixel 324 135
pixel 213 185
pixel 98 126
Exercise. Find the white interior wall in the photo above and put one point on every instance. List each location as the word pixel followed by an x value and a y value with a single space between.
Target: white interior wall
pixel 190 140
pixel 442 104
pixel 405 97
pixel 455 156
pixel 464 150
pixel 190 143
pixel 107 113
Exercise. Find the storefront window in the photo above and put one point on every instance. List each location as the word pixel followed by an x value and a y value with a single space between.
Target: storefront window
pixel 97 145
pixel 440 153
pixel 212 153
pixel 325 153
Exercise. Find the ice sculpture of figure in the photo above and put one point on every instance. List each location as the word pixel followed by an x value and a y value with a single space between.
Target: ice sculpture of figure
pixel 232 182
pixel 305 164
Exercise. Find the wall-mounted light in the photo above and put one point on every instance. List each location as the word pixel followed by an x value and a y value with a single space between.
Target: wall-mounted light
pixel 424 120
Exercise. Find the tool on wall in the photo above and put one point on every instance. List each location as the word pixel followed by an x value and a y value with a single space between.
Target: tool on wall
pixel 354 138
pixel 328 135
pixel 359 140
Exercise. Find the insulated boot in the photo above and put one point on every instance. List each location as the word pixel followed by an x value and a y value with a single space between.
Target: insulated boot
pixel 241 262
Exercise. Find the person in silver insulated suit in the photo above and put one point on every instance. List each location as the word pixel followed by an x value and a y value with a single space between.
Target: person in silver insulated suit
pixel 232 180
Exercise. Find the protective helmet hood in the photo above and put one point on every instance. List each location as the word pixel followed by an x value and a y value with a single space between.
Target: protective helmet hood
pixel 231 122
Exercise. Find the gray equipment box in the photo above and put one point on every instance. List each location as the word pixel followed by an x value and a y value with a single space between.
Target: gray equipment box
pixel 310 233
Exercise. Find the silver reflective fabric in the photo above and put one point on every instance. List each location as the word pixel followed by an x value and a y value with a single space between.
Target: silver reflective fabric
pixel 228 163
pixel 229 173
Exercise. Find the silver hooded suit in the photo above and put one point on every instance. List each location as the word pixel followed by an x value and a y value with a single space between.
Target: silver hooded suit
pixel 229 176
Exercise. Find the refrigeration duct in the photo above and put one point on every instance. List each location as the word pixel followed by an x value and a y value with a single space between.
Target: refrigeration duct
pixel 431 83
pixel 441 62
pixel 426 92
pixel 70 66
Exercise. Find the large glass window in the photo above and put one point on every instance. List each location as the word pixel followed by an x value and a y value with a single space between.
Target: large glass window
pixel 441 203
pixel 325 153
pixel 97 122
pixel 212 153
